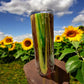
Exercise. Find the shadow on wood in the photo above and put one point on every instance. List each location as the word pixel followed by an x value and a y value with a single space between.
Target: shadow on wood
pixel 59 76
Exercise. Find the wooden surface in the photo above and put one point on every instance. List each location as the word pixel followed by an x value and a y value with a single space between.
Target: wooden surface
pixel 58 77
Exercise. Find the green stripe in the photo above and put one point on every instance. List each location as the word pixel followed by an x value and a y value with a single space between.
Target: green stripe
pixel 43 66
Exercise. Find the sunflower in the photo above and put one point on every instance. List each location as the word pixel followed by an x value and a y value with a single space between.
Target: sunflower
pixel 27 44
pixel 12 47
pixel 2 42
pixel 2 46
pixel 72 33
pixel 8 40
pixel 58 38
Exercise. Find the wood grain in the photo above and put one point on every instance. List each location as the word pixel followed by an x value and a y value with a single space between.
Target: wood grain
pixel 59 76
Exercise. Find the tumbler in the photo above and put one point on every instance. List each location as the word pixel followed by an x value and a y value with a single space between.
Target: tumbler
pixel 43 39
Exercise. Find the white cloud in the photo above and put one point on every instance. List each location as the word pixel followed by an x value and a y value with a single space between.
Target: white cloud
pixel 1 35
pixel 79 18
pixel 8 35
pixel 22 37
pixel 58 32
pixel 63 13
pixel 21 19
pixel 15 38
pixel 24 7
pixel 82 12
pixel 60 27
pixel 63 27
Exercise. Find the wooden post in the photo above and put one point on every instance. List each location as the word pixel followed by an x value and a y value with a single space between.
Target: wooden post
pixel 59 76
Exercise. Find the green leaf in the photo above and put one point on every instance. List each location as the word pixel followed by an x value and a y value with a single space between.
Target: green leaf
pixel 82 38
pixel 72 64
pixel 56 53
pixel 75 44
pixel 79 76
pixel 1 51
pixel 82 53
pixel 4 55
pixel 82 70
pixel 65 52
pixel 57 44
pixel 18 54
pixel 24 57
pixel 9 46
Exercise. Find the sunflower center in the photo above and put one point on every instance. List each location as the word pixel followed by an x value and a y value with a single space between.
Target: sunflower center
pixel 58 38
pixel 2 43
pixel 8 40
pixel 27 43
pixel 71 34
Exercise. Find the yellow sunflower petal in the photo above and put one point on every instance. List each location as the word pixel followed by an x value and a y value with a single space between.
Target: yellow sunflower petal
pixel 12 48
pixel 58 38
pixel 8 40
pixel 27 44
pixel 1 42
pixel 72 33
pixel 2 46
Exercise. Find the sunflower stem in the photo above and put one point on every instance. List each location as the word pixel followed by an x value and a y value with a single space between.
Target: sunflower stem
pixel 77 52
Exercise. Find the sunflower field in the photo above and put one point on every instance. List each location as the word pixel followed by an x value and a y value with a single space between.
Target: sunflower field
pixel 10 50
pixel 68 47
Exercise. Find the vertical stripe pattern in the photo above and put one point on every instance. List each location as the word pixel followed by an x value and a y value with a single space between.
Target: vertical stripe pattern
pixel 42 30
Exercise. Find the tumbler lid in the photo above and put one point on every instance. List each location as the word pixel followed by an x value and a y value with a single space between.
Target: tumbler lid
pixel 42 11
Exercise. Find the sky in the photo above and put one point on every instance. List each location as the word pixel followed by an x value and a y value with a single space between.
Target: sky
pixel 15 16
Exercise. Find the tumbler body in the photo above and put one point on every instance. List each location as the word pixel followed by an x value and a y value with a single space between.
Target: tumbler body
pixel 42 31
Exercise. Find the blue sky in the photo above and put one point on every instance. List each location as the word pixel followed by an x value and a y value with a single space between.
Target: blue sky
pixel 18 23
